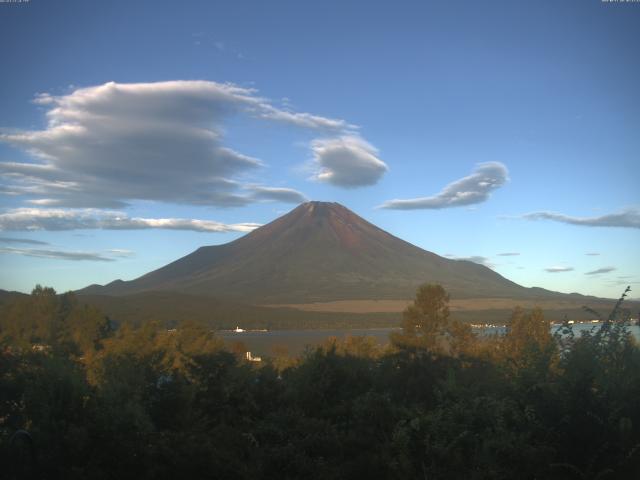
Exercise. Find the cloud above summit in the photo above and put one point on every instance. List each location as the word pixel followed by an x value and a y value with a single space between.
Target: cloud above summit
pixel 107 145
pixel 276 194
pixel 347 161
pixel 469 190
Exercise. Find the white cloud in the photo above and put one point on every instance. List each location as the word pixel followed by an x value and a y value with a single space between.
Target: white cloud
pixel 558 269
pixel 472 189
pixel 477 259
pixel 629 218
pixel 276 194
pixel 121 252
pixel 56 254
pixel 508 254
pixel 107 145
pixel 347 161
pixel 601 270
pixel 28 219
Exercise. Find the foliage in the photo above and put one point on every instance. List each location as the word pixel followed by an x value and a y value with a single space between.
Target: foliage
pixel 79 399
pixel 426 325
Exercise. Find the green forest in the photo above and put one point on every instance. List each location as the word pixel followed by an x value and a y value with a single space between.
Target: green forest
pixel 82 398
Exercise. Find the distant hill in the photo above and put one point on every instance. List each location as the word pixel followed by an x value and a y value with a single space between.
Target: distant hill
pixel 7 296
pixel 320 252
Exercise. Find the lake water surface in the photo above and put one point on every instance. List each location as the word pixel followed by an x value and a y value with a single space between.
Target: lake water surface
pixel 262 343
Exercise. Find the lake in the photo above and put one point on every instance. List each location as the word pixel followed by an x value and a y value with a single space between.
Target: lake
pixel 262 343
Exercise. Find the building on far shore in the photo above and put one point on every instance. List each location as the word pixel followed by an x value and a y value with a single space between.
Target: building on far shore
pixel 251 358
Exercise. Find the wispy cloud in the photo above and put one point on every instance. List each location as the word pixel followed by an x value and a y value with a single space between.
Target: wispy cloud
pixel 121 252
pixel 472 189
pixel 477 259
pixel 601 270
pixel 57 254
pixel 629 218
pixel 107 145
pixel 304 120
pixel 509 254
pixel 347 161
pixel 558 269
pixel 21 241
pixel 26 219
pixel 592 254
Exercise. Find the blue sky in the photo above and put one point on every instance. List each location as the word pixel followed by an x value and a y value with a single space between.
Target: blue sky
pixel 502 128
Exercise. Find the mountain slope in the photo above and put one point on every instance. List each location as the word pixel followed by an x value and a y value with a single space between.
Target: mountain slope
pixel 318 252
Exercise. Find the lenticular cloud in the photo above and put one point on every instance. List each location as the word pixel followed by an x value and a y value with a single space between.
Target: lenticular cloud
pixel 472 189
pixel 347 161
